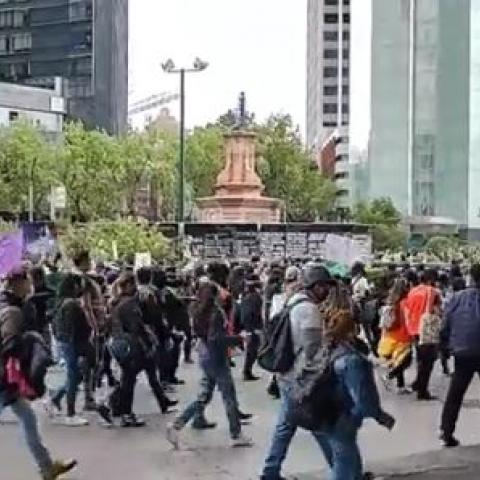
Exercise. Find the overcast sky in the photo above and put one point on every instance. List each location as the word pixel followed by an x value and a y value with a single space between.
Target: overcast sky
pixel 254 45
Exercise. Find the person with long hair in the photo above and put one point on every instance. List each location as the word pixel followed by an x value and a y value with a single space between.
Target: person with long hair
pixel 396 344
pixel 210 328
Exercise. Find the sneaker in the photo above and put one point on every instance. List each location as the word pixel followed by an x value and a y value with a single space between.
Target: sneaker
pixel 250 377
pixel 75 421
pixel 176 381
pixel 404 391
pixel 57 469
pixel 426 397
pixel 241 441
pixel 167 405
pixel 449 441
pixel 172 436
pixel 245 416
pixel 132 421
pixel 106 416
pixel 387 382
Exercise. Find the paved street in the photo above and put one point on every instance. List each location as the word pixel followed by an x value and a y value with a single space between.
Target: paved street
pixel 144 454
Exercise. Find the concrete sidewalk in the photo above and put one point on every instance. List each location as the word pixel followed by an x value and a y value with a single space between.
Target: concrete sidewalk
pixel 447 464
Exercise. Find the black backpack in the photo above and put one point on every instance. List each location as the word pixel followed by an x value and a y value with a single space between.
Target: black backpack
pixel 315 404
pixel 277 355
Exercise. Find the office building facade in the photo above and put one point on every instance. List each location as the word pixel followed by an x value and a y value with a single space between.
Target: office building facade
pixel 425 129
pixel 83 41
pixel 328 95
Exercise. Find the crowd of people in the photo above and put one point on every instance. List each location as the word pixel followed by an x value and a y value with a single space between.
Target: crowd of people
pixel 104 326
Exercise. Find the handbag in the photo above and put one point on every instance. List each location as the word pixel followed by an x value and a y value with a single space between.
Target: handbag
pixel 17 381
pixel 431 324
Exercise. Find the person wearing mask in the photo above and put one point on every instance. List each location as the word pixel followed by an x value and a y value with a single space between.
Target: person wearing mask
pixel 395 342
pixel 422 303
pixel 461 335
pixel 307 335
pixel 209 326
pixel 13 325
pixel 72 335
pixel 251 319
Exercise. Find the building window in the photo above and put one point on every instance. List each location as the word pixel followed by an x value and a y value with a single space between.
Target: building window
pixel 330 36
pixel 331 2
pixel 345 90
pixel 330 108
pixel 330 53
pixel 346 53
pixel 330 72
pixel 342 193
pixel 346 2
pixel 330 18
pixel 346 35
pixel 340 175
pixel 346 18
pixel 345 72
pixel 4 44
pixel 21 41
pixel 329 124
pixel 12 116
pixel 330 90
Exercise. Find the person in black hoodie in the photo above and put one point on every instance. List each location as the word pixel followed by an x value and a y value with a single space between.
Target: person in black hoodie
pixel 251 309
pixel 13 324
pixel 128 323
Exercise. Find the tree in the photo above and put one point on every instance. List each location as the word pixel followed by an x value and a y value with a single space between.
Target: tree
pixel 204 159
pixel 121 239
pixel 89 165
pixel 289 173
pixel 26 158
pixel 385 219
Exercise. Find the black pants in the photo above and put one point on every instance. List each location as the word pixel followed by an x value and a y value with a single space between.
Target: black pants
pixel 171 359
pixel 128 381
pixel 398 372
pixel 465 368
pixel 187 345
pixel 426 356
pixel 151 372
pixel 253 344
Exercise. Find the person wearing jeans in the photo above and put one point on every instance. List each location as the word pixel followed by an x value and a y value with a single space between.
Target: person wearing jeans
pixel 210 328
pixel 13 325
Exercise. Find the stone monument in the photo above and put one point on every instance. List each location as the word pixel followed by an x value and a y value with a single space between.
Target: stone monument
pixel 239 190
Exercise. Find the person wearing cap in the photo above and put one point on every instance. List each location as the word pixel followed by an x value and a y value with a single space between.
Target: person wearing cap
pixel 307 337
pixel 13 325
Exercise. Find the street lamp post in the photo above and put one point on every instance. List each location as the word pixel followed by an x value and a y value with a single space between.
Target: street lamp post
pixel 169 67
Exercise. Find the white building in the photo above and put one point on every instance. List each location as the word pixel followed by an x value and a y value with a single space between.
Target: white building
pixel 328 85
pixel 44 107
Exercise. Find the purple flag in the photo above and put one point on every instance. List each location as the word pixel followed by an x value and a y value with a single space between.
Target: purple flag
pixel 11 250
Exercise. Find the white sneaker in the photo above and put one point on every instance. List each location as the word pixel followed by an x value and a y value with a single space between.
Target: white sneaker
pixel 172 436
pixel 241 441
pixel 75 421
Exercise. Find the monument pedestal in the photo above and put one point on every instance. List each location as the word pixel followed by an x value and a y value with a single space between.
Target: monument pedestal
pixel 238 191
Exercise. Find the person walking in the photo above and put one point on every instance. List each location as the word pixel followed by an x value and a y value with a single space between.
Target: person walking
pixel 72 335
pixel 306 324
pixel 210 324
pixel 422 304
pixel 12 327
pixel 461 335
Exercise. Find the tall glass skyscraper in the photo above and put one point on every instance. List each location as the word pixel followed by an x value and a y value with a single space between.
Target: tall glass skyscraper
pixel 425 137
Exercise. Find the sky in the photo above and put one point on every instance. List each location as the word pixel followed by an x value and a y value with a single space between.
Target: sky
pixel 256 46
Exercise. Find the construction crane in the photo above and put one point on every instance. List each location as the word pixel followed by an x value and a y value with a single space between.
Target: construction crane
pixel 152 102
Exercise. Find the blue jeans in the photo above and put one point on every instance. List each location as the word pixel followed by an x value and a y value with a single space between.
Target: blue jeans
pixel 213 376
pixel 339 446
pixel 28 420
pixel 67 352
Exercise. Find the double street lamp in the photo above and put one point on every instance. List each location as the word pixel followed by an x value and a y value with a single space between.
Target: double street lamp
pixel 169 67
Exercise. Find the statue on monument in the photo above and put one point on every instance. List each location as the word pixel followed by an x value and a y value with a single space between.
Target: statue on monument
pixel 243 119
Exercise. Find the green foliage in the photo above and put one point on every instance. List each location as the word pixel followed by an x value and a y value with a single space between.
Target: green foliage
pixel 129 238
pixel 204 159
pixel 25 157
pixel 288 172
pixel 385 218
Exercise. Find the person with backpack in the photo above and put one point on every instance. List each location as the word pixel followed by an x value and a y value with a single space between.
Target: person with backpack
pixel 303 340
pixel 354 394
pixel 210 326
pixel 13 325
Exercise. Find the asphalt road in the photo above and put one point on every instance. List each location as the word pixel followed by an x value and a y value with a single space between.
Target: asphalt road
pixel 144 454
